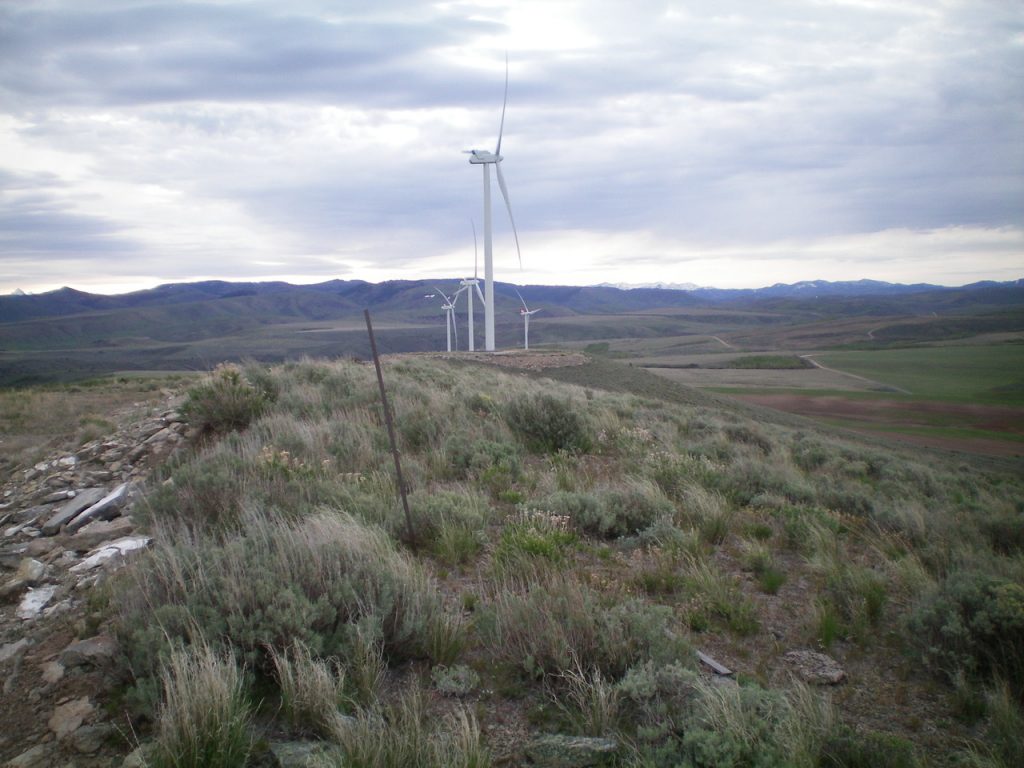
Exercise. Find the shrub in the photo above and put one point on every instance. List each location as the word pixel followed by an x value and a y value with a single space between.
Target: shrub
pixel 458 680
pixel 544 630
pixel 531 537
pixel 312 690
pixel 848 749
pixel 432 510
pixel 973 621
pixel 548 424
pixel 400 735
pixel 322 581
pixel 204 719
pixel 736 725
pixel 613 513
pixel 590 701
pixel 226 401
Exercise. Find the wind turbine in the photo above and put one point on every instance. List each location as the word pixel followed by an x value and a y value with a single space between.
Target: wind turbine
pixel 469 285
pixel 487 159
pixel 449 315
pixel 526 312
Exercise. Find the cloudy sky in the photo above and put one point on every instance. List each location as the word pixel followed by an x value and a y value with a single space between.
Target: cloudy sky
pixel 734 143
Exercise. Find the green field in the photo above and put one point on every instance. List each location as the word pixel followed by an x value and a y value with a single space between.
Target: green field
pixel 992 374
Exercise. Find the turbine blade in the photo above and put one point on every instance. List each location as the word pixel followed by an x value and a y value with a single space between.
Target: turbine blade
pixel 521 299
pixel 480 294
pixel 442 293
pixel 501 127
pixel 455 326
pixel 504 194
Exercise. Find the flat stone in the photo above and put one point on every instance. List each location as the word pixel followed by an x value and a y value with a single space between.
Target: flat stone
pixel 40 547
pixel 71 509
pixel 140 757
pixel 106 508
pixel 558 751
pixel 31 514
pixel 109 552
pixel 11 557
pixel 815 668
pixel 299 754
pixel 52 671
pixel 52 497
pixel 94 650
pixel 67 718
pixel 33 603
pixel 99 532
pixel 90 738
pixel 37 757
pixel 29 573
pixel 30 570
pixel 13 650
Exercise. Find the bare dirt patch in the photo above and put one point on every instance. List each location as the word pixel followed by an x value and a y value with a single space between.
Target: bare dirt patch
pixel 897 415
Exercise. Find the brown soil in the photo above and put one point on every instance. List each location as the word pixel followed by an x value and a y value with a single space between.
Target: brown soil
pixel 895 414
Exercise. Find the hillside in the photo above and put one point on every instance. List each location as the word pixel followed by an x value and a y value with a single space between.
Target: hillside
pixel 68 335
pixel 581 561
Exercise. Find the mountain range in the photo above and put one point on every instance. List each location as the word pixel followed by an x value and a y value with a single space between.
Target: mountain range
pixel 344 297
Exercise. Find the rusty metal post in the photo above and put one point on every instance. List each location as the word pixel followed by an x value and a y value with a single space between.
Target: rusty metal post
pixel 391 429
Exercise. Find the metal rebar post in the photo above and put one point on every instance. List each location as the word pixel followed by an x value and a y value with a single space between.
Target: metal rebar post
pixel 391 429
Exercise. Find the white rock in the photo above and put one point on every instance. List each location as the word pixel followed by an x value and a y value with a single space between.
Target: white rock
pixel 34 601
pixel 117 548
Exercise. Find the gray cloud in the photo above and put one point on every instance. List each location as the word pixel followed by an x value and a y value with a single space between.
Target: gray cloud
pixel 319 135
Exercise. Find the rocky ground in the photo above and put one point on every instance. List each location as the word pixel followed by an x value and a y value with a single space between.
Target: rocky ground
pixel 65 524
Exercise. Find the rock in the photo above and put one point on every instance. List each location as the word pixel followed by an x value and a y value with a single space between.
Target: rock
pixel 41 547
pixel 11 557
pixel 97 651
pixel 98 532
pixel 559 751
pixel 29 573
pixel 815 668
pixel 140 757
pixel 37 757
pixel 299 754
pixel 67 461
pixel 33 603
pixel 30 570
pixel 90 738
pixel 12 650
pixel 32 514
pixel 67 718
pixel 106 508
pixel 114 551
pixel 71 509
pixel 52 497
pixel 52 671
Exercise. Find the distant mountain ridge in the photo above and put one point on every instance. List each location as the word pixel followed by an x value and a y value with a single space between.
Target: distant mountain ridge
pixel 277 301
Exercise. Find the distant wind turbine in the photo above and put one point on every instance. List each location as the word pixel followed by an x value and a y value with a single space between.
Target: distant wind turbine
pixel 487 159
pixel 449 315
pixel 526 312
pixel 469 285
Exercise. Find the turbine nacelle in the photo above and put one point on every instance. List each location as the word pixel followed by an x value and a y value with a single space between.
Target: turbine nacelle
pixel 482 156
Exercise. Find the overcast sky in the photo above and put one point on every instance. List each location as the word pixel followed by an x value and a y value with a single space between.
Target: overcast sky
pixel 734 143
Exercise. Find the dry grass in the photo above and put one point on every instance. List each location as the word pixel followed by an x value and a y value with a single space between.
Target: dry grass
pixel 204 721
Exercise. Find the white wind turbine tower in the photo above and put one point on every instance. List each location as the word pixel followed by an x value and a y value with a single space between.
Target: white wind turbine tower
pixel 487 159
pixel 526 312
pixel 469 285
